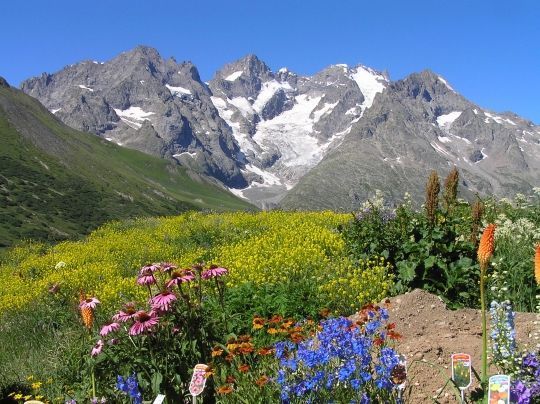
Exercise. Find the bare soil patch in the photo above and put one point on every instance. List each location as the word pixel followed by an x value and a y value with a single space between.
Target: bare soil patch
pixel 431 333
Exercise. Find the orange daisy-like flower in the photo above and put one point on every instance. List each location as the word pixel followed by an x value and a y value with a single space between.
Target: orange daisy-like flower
pixel 296 337
pixel 244 368
pixel 216 351
pixel 261 381
pixel 276 319
pixel 265 351
pixel 225 389
pixel 230 379
pixel 487 244
pixel 272 330
pixel 537 264
pixel 258 322
pixel 246 348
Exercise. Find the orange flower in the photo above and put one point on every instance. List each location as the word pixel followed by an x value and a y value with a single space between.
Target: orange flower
pixel 487 245
pixel 225 390
pixel 296 337
pixel 87 315
pixel 258 322
pixel 244 338
pixel 272 330
pixel 276 319
pixel 246 348
pixel 229 357
pixel 244 368
pixel 261 381
pixel 216 351
pixel 230 379
pixel 537 264
pixel 265 351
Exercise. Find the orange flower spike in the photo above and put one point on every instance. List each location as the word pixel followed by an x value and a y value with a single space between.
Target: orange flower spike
pixel 537 264
pixel 87 315
pixel 487 245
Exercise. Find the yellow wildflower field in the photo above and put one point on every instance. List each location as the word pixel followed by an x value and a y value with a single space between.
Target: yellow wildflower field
pixel 264 247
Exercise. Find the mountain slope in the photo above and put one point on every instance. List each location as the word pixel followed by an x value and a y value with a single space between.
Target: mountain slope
pixel 416 125
pixel 57 183
pixel 142 101
pixel 278 138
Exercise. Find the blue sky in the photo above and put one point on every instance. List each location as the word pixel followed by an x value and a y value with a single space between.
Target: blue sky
pixel 488 50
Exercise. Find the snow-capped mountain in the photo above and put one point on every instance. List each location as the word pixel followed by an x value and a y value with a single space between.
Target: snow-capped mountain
pixel 284 123
pixel 326 140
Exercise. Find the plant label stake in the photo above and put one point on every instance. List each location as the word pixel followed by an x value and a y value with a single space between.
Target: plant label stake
pixel 198 381
pixel 461 372
pixel 499 389
pixel 399 377
pixel 159 399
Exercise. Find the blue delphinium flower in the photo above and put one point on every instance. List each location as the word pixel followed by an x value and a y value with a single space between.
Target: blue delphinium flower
pixel 339 358
pixel 130 386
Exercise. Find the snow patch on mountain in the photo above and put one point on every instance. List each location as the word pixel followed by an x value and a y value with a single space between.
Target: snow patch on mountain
pixel 86 88
pixel 133 116
pixel 267 92
pixel 446 83
pixel 445 121
pixel 178 90
pixel 234 76
pixel 369 82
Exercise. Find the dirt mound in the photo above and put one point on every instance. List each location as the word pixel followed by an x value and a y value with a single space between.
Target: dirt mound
pixel 431 333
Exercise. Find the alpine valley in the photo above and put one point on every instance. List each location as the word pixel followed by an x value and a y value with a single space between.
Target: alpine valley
pixel 281 139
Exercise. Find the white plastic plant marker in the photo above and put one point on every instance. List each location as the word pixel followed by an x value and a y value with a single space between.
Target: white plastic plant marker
pixel 461 372
pixel 499 389
pixel 198 380
pixel 159 399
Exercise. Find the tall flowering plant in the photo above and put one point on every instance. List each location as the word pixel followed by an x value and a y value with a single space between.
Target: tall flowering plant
pixel 345 361
pixel 485 251
pixel 161 340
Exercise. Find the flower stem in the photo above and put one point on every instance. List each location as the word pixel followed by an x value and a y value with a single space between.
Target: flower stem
pixel 93 383
pixel 484 373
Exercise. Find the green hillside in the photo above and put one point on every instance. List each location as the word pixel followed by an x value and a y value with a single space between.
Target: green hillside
pixel 58 183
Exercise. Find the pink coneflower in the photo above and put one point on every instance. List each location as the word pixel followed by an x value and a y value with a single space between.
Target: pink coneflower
pixel 150 268
pixel 181 276
pixel 214 272
pixel 167 266
pixel 146 276
pixel 143 322
pixel 108 328
pixel 96 350
pixel 89 303
pixel 127 314
pixel 163 300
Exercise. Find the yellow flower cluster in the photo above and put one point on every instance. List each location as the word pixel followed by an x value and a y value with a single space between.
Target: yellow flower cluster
pixel 265 247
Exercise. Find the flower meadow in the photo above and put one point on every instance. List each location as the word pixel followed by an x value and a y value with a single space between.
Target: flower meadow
pixel 281 306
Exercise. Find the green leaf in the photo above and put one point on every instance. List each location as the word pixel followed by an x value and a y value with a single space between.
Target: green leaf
pixel 430 261
pixel 157 378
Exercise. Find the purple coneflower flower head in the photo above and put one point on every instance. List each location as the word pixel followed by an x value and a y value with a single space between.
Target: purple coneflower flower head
pixel 214 272
pixel 146 276
pixel 108 328
pixel 143 322
pixel 177 277
pixel 167 266
pixel 128 313
pixel 96 350
pixel 163 301
pixel 150 268
pixel 89 303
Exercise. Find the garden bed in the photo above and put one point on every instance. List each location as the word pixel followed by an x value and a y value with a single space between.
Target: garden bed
pixel 431 333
